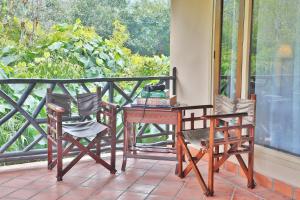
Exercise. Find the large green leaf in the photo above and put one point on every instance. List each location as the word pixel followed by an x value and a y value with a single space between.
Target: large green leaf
pixel 55 46
pixel 6 60
pixel 89 47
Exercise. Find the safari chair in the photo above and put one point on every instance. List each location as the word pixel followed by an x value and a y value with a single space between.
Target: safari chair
pixel 227 132
pixel 77 133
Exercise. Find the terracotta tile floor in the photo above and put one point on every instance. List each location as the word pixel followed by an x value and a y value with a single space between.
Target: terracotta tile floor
pixel 143 179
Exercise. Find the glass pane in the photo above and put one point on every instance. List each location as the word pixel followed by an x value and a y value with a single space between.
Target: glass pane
pixel 229 47
pixel 275 73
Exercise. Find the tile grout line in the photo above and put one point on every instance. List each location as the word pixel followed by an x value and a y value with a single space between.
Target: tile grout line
pixel 16 189
pixel 241 188
pixel 55 184
pixel 126 190
pixel 181 188
pixel 159 181
pixel 102 186
pixel 233 193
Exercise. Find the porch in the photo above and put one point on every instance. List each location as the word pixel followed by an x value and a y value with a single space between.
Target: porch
pixel 143 179
pixel 196 52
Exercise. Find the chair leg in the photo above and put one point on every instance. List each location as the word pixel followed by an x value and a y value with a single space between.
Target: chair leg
pixel 217 150
pixel 179 157
pixel 251 183
pixel 192 163
pixel 210 171
pixel 113 144
pixel 87 150
pixel 50 153
pixel 125 145
pixel 98 146
pixel 189 167
pixel 59 159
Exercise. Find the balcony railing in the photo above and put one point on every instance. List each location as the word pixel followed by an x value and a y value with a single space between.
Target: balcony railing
pixel 23 115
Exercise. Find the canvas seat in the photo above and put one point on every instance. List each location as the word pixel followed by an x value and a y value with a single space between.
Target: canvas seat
pixel 199 138
pixel 84 129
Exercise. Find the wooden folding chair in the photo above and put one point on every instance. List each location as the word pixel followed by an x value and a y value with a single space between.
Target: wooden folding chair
pixel 230 131
pixel 93 131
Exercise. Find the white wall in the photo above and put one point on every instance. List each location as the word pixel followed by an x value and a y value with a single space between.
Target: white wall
pixel 191 49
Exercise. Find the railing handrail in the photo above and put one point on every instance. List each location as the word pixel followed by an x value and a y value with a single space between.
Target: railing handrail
pixel 83 80
pixel 111 88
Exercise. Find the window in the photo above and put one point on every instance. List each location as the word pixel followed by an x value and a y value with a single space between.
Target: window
pixel 275 73
pixel 229 43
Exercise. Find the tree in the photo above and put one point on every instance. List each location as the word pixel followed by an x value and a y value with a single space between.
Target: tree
pixel 148 22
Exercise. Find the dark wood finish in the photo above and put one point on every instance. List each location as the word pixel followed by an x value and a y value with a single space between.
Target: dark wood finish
pixel 233 143
pixel 230 115
pixel 29 153
pixel 56 137
pixel 134 115
pixel 184 108
pixel 83 80
pixel 192 164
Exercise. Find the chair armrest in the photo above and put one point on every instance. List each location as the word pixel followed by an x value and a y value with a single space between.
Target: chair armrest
pixel 230 115
pixel 104 103
pixel 227 128
pixel 181 108
pixel 55 108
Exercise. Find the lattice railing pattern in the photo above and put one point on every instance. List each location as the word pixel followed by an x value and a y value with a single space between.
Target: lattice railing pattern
pixel 18 108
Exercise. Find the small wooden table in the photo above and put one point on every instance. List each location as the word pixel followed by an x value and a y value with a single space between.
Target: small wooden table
pixel 133 115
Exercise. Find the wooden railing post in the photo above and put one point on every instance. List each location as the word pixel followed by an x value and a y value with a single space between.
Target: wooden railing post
pixel 174 75
pixel 111 92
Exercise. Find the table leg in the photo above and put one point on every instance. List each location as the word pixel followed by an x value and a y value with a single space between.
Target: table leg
pixel 125 145
pixel 179 149
pixel 133 129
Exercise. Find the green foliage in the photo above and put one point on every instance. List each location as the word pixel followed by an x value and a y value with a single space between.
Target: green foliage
pixel 74 51
pixel 148 21
pixel 65 51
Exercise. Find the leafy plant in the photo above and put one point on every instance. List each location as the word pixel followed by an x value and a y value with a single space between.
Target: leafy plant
pixel 66 51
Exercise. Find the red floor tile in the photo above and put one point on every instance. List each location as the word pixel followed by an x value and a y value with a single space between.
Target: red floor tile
pixel 263 180
pixel 141 188
pixel 168 188
pixel 16 183
pixel 132 196
pixel 4 191
pixel 244 195
pixel 283 188
pixel 143 179
pixel 297 193
pixel 106 195
pixel 186 193
pixel 22 194
pixel 78 193
pixel 157 197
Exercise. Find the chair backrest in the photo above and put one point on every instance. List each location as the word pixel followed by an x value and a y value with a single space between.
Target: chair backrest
pixel 225 105
pixel 61 100
pixel 88 103
pixel 248 106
